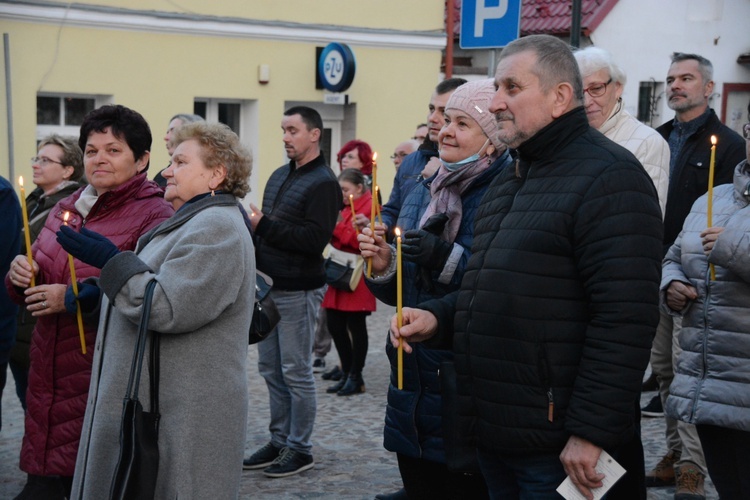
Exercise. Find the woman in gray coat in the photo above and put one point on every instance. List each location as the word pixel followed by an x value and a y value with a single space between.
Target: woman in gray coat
pixel 203 261
pixel 711 388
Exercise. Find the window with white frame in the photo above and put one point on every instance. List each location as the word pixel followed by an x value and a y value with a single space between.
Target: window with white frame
pixel 226 112
pixel 63 114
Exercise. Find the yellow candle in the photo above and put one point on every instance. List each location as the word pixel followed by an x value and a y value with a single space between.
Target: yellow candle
pixel 26 232
pixel 373 208
pixel 354 214
pixel 74 284
pixel 399 309
pixel 710 204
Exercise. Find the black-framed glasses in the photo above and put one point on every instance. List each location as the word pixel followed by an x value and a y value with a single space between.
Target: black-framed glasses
pixel 43 161
pixel 399 155
pixel 597 89
pixel 746 130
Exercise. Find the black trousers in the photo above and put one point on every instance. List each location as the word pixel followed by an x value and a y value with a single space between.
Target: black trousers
pixel 427 480
pixel 727 453
pixel 349 332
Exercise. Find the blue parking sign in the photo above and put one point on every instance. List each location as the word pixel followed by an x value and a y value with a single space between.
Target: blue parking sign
pixel 489 24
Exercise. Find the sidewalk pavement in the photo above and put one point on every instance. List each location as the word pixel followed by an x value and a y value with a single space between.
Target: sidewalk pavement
pixel 350 462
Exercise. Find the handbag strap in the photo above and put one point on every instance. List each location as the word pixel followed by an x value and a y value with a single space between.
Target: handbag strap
pixel 140 345
pixel 153 371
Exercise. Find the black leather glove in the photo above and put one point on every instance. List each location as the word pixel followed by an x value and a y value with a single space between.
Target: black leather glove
pixel 424 246
pixel 435 224
pixel 88 297
pixel 87 246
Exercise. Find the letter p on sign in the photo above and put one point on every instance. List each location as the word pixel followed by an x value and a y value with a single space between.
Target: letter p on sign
pixel 489 24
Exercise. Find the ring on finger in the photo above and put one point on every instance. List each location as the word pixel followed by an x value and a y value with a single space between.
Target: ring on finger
pixel 44 296
pixel 44 305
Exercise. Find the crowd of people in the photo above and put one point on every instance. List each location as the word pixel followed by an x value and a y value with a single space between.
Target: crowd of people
pixel 553 246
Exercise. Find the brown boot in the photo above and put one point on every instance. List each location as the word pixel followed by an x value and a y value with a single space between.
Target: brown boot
pixel 689 480
pixel 663 473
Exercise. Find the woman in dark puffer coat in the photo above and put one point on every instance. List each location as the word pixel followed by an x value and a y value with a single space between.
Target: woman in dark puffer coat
pixel 437 223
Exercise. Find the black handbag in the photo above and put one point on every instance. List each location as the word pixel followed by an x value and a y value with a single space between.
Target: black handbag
pixel 265 314
pixel 138 464
pixel 343 269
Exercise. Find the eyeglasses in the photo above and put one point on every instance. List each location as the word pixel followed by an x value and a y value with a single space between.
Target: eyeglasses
pixel 43 161
pixel 746 131
pixel 597 89
pixel 399 155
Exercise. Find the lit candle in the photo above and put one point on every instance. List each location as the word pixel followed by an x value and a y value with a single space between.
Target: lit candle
pixel 354 214
pixel 374 207
pixel 74 284
pixel 399 308
pixel 26 232
pixel 710 204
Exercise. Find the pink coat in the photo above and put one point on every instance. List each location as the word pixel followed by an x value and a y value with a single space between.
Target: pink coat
pixel 59 374
pixel 345 238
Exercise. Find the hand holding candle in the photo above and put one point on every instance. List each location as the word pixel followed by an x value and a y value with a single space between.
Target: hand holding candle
pixel 710 201
pixel 399 309
pixel 26 232
pixel 74 284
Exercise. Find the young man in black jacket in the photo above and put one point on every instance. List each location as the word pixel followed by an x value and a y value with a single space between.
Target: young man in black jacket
pixel 301 202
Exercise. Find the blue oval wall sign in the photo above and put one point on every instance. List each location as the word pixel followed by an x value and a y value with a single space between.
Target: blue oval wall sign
pixel 336 67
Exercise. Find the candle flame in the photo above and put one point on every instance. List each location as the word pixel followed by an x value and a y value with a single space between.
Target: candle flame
pixel 66 217
pixel 20 180
pixel 713 140
pixel 374 157
pixel 398 232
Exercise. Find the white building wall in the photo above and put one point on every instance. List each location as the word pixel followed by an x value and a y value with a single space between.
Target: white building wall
pixel 642 35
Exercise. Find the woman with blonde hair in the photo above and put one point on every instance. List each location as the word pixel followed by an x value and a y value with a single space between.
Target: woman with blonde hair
pixel 203 261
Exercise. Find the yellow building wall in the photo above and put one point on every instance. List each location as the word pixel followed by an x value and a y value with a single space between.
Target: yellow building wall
pixel 418 15
pixel 161 74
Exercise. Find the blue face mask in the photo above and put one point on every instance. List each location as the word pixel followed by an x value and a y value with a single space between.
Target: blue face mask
pixel 452 167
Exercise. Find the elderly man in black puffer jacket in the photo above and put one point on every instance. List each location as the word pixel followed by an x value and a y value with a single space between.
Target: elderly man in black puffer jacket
pixel 559 302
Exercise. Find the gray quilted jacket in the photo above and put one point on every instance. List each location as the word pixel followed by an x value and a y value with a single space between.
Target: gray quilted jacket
pixel 712 377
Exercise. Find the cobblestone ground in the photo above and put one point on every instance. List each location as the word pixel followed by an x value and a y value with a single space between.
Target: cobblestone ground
pixel 350 462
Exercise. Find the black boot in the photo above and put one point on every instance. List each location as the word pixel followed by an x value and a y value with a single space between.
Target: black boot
pixel 334 373
pixel 37 487
pixel 337 386
pixel 354 385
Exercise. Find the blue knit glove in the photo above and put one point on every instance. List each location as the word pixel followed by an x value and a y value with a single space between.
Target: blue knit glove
pixel 88 297
pixel 87 246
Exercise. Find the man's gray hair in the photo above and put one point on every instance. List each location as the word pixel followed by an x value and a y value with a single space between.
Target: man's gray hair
pixel 704 65
pixel 555 61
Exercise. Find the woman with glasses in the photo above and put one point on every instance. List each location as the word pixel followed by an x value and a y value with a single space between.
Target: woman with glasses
pixel 603 83
pixel 57 172
pixel 358 154
pixel 120 203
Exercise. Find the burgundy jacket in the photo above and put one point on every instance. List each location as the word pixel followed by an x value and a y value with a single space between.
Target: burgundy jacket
pixel 59 374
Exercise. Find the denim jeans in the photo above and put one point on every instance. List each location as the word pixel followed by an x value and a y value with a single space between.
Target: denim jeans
pixel 528 477
pixel 285 362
